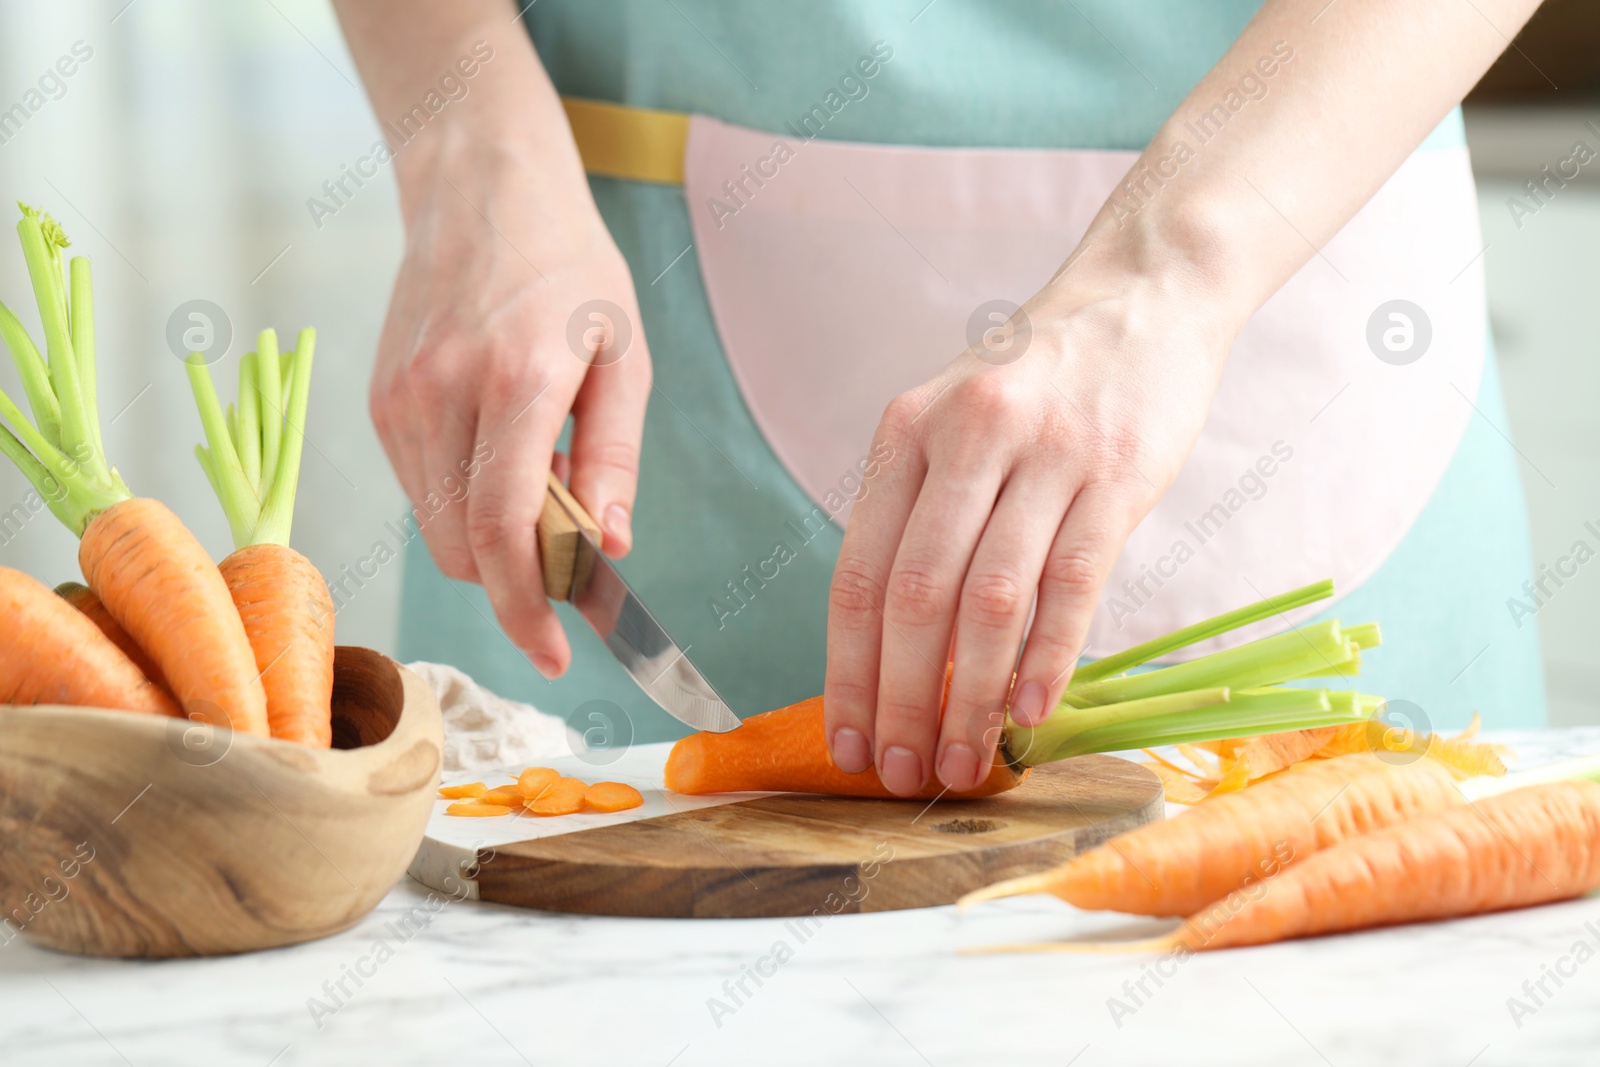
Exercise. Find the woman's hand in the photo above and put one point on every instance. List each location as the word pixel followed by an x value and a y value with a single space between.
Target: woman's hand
pixel 1020 468
pixel 512 307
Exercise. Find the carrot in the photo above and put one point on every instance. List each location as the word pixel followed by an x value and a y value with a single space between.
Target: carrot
pixel 158 582
pixel 611 796
pixel 509 795
pixel 54 654
pixel 150 573
pixel 1528 846
pixel 252 460
pixel 564 797
pixel 463 792
pixel 473 808
pixel 288 617
pixel 785 750
pixel 82 597
pixel 535 780
pixel 1183 864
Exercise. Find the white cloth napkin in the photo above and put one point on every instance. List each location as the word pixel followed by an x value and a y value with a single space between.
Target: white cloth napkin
pixel 484 731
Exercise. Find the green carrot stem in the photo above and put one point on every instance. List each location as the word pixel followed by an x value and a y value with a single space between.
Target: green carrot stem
pixel 269 380
pixel 238 499
pixel 203 456
pixel 81 316
pixel 72 496
pixel 1031 745
pixel 1365 634
pixel 41 243
pixel 277 510
pixel 35 375
pixel 1243 716
pixel 247 428
pixel 1267 661
pixel 1200 631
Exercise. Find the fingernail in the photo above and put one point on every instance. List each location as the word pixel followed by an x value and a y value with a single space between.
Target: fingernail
pixel 958 767
pixel 617 521
pixel 545 665
pixel 1027 706
pixel 900 769
pixel 850 750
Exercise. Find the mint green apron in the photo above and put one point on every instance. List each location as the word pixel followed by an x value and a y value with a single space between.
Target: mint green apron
pixel 713 498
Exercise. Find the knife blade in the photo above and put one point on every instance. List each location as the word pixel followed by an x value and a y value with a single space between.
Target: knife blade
pixel 577 571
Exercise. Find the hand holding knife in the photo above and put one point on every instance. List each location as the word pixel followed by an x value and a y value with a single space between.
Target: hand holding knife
pixel 575 570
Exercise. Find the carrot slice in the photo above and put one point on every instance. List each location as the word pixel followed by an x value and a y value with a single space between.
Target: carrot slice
pixel 564 797
pixel 470 807
pixel 612 796
pixel 535 780
pixel 509 795
pixel 460 792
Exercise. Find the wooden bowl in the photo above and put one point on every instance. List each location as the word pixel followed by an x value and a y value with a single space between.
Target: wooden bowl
pixel 134 835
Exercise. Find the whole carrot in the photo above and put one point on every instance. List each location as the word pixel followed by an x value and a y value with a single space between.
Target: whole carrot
pixel 1179 865
pixel 786 751
pixel 160 584
pixel 150 573
pixel 1528 846
pixel 53 654
pixel 253 463
pixel 82 597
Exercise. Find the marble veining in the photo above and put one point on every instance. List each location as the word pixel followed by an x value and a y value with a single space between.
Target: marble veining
pixel 484 984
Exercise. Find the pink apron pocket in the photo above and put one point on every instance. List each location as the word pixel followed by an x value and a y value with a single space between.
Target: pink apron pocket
pixel 842 274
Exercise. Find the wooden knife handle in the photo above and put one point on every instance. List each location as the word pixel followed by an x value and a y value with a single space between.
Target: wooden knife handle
pixel 566 557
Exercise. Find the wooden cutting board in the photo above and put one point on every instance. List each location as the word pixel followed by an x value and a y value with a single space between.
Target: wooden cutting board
pixel 789 854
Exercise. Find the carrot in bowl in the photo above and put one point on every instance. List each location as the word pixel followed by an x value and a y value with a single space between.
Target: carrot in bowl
pixel 252 459
pixel 150 572
pixel 82 597
pixel 1180 865
pixel 53 654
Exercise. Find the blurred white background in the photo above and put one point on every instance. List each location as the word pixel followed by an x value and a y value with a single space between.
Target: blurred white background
pixel 180 157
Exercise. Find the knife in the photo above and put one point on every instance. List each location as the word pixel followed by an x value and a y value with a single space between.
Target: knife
pixel 575 570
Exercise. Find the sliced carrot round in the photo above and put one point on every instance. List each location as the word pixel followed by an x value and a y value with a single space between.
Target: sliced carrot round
pixel 612 796
pixel 535 780
pixel 509 795
pixel 468 807
pixel 458 792
pixel 564 797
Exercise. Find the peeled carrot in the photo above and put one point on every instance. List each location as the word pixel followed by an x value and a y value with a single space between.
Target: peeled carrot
pixel 509 795
pixel 611 796
pixel 564 797
pixel 1180 865
pixel 53 654
pixel 82 597
pixel 473 808
pixel 1532 845
pixel 463 792
pixel 252 459
pixel 786 750
pixel 159 584
pixel 287 612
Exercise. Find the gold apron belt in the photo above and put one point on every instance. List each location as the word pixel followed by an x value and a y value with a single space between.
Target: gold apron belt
pixel 636 143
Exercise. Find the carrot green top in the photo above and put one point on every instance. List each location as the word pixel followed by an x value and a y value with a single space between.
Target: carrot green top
pixel 253 458
pixel 60 451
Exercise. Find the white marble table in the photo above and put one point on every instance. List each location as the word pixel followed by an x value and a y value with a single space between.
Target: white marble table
pixel 479 984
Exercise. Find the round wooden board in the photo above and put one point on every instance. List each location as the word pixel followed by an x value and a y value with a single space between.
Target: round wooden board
pixel 798 855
